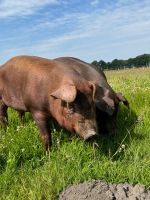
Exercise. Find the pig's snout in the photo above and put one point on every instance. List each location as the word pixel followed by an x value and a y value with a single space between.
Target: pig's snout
pixel 90 135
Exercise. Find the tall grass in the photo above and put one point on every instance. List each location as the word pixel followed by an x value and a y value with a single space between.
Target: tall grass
pixel 27 172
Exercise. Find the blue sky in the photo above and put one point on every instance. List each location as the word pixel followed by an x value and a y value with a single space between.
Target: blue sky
pixel 86 29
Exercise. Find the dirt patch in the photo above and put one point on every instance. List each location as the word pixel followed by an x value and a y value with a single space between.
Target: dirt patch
pixel 99 190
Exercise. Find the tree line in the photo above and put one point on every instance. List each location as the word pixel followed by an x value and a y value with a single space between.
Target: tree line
pixel 139 61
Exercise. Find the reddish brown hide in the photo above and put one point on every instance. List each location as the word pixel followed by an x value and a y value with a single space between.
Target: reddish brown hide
pixel 48 88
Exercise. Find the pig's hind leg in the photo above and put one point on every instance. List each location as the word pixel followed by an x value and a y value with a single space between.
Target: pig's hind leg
pixel 41 120
pixel 3 113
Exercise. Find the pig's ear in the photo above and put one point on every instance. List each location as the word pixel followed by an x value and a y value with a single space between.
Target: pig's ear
pixel 98 92
pixel 122 99
pixel 109 101
pixel 66 93
pixel 107 105
pixel 99 95
pixel 103 103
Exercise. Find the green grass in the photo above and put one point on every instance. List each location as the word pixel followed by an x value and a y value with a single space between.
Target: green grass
pixel 27 172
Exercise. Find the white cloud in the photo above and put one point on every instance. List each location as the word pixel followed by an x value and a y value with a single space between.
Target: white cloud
pixel 99 30
pixel 94 2
pixel 121 22
pixel 9 8
pixel 107 32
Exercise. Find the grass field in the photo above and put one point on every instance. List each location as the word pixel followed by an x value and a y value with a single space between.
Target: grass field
pixel 27 172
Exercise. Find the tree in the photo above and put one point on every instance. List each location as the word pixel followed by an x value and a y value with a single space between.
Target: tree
pixel 139 61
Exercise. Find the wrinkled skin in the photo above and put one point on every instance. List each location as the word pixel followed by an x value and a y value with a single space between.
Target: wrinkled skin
pixel 48 88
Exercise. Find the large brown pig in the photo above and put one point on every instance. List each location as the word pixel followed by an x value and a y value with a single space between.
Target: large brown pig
pixel 50 88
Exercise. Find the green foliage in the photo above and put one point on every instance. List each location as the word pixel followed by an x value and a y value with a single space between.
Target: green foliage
pixel 27 172
pixel 139 61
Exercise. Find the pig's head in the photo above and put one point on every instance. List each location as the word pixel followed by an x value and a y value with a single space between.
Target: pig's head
pixel 106 121
pixel 73 106
pixel 108 101
pixel 104 99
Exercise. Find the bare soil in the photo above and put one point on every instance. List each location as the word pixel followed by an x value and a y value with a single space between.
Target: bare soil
pixel 100 190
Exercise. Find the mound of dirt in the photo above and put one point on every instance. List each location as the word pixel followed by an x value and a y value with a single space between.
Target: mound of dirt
pixel 99 190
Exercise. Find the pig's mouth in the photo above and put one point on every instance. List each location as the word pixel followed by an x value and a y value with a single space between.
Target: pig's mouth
pixel 91 134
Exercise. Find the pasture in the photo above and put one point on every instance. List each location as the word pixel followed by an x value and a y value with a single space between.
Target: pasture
pixel 27 172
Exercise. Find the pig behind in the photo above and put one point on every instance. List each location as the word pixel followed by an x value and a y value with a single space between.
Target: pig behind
pixel 107 100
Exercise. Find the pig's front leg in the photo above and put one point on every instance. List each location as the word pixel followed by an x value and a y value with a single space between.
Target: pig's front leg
pixel 41 120
pixel 21 115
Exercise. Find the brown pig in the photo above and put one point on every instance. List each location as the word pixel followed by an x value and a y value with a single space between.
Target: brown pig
pixel 48 88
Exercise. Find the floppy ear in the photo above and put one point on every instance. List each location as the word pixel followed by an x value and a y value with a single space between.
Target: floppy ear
pixel 66 93
pixel 103 103
pixel 122 99
pixel 98 92
pixel 106 105
pixel 109 101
